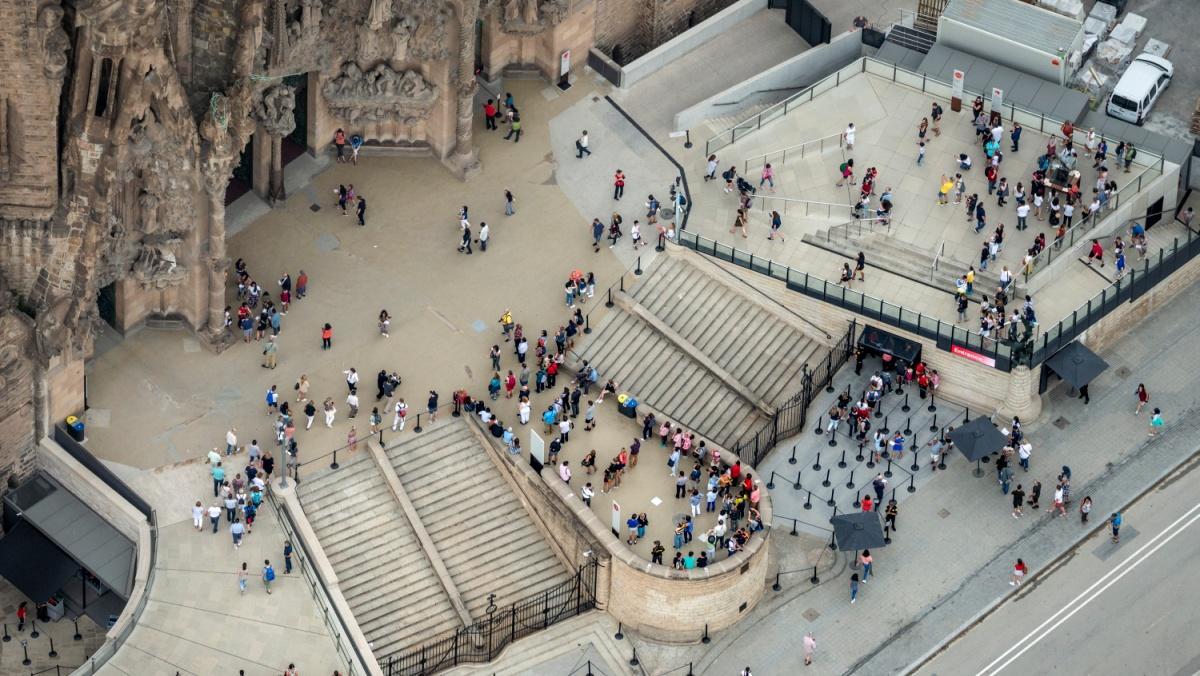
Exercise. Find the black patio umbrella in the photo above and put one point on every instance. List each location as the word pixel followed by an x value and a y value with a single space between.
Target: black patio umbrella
pixel 857 530
pixel 1076 364
pixel 977 439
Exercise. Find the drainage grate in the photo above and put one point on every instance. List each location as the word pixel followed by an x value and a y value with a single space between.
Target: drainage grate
pixel 811 615
pixel 314 208
pixel 1062 423
pixel 595 99
pixel 943 513
pixel 1123 372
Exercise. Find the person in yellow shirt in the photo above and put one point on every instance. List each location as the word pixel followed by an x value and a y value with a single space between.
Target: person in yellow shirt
pixel 946 186
pixel 970 281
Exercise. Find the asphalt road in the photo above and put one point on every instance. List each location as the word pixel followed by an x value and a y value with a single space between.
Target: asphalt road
pixel 1128 608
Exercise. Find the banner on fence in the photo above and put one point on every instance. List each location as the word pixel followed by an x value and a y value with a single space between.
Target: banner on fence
pixel 972 355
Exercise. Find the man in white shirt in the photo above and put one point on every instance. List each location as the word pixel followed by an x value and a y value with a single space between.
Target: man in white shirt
pixel 351 378
pixel 352 402
pixel 231 441
pixel 1022 214
pixel 848 136
pixel 581 145
pixel 586 494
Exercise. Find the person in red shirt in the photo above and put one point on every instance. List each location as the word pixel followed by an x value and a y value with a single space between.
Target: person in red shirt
pixel 736 470
pixel 1096 253
pixel 489 115
pixel 618 184
pixel 867 503
pixel 1020 570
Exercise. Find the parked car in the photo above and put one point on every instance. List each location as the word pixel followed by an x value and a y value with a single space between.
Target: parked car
pixel 1139 87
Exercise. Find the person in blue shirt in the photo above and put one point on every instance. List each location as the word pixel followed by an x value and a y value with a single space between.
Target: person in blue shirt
pixel 236 529
pixel 898 446
pixel 1115 520
pixel 218 477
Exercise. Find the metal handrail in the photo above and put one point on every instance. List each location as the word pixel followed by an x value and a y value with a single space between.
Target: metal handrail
pixel 937 257
pixel 761 160
pixel 858 224
pixel 794 203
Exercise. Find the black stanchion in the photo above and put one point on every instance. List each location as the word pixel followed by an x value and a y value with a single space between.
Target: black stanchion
pixel 609 302
pixel 794 531
pixel 8 638
pixel 381 438
pixel 77 636
pixel 885 429
pixel 705 639
pixel 966 415
pixel 832 541
pixel 826 483
pixel 850 482
pixel 932 401
pixel 633 661
pixel 690 672
pixel 819 429
pixel 859 456
pixel 797 484
pixel 857 499
pixel 808 501
pixel 417 427
pixel 619 636
pixel 829 387
pixel 792 460
pixel 906 408
pixel 916 463
pixel 908 425
pixel 53 652
pixel 34 633
pixel 833 438
pixel 776 586
pixel 25 648
pixel 887 536
pixel 831 502
pixel 933 426
pixel 814 579
pixel 888 472
pixel 912 478
pixel 638 269
pixel 771 481
pixel 334 464
pixel 842 462
pixel 879 407
pixel 587 325
pixel 942 460
pixel 871 460
pixel 817 464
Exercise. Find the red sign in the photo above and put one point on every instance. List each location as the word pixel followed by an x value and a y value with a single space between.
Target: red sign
pixel 972 355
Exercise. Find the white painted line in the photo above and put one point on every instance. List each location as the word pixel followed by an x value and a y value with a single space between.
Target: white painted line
pixel 1120 570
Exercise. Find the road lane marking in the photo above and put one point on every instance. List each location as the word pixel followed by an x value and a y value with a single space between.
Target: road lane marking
pixel 1119 571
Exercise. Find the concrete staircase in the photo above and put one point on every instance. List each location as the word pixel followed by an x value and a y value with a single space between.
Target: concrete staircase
pixel 906 260
pixel 483 533
pixel 750 341
pixel 383 573
pixel 918 38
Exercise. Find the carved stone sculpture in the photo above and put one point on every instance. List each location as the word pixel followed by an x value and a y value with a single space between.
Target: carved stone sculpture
pixel 276 111
pixel 378 93
pixel 55 43
pixel 379 14
pixel 157 265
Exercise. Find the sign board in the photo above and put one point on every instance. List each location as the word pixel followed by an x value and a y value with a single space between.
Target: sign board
pixel 537 451
pixel 564 63
pixel 616 519
pixel 997 99
pixel 956 84
pixel 678 134
pixel 972 355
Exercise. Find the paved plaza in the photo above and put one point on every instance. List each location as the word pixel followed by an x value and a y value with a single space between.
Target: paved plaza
pixel 181 399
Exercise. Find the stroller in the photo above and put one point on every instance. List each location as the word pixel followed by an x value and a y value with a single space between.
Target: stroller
pixel 744 187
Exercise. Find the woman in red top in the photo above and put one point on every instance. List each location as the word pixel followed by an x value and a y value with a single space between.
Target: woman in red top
pixel 339 140
pixel 21 614
pixel 618 184
pixel 489 114
pixel 1019 572
pixel 326 337
pixel 510 384
pixel 1142 396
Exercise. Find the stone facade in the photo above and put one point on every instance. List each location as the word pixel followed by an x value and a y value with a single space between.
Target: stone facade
pixel 627 29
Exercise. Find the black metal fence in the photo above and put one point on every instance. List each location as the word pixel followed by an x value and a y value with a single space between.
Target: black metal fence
pixel 790 416
pixel 806 20
pixel 483 641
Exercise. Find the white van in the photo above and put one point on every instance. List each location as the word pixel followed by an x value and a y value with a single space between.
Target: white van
pixel 1139 87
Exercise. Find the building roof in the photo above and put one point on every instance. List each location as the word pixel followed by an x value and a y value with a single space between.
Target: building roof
pixel 1013 20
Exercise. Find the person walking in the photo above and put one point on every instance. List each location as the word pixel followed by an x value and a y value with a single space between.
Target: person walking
pixel 581 145
pixel 848 136
pixel 271 353
pixel 853 588
pixel 484 233
pixel 242 575
pixel 1058 507
pixel 776 224
pixel 360 209
pixel 810 647
pixel 1156 423
pixel 1115 522
pixel 1142 397
pixel 1085 508
pixel 509 209
pixel 514 127
pixel 237 530
pixel 867 562
pixel 1018 500
pixel 1020 570
pixel 618 184
pixel 489 115
pixel 889 515
pixel 268 574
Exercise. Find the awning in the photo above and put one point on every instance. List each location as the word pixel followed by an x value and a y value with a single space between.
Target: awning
pixel 858 530
pixel 1076 364
pixel 78 531
pixel 978 438
pixel 34 564
pixel 878 340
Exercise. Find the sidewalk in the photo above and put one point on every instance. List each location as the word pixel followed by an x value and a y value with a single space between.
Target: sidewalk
pixel 949 559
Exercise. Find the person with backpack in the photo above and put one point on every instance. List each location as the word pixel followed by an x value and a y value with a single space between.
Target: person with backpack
pixel 729 175
pixel 846 169
pixel 268 574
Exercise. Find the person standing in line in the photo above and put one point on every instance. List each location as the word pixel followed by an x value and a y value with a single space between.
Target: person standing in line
pixel 867 562
pixel 618 184
pixel 218 477
pixel 853 588
pixel 889 515
pixel 1130 153
pixel 879 484
pixel 237 530
pixel 1156 423
pixel 268 575
pixel 1015 136
pixel 242 575
pixel 214 516
pixel 1085 508
pixel 1115 522
pixel 1142 397
pixel 581 145
pixel 509 210
pixel 1035 494
pixel 361 210
pixel 432 406
pixel 1018 499
pixel 810 643
pixel 848 136
pixel 1020 570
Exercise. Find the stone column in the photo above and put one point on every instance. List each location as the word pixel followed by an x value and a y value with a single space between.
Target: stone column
pixel 465 161
pixel 276 195
pixel 1021 400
